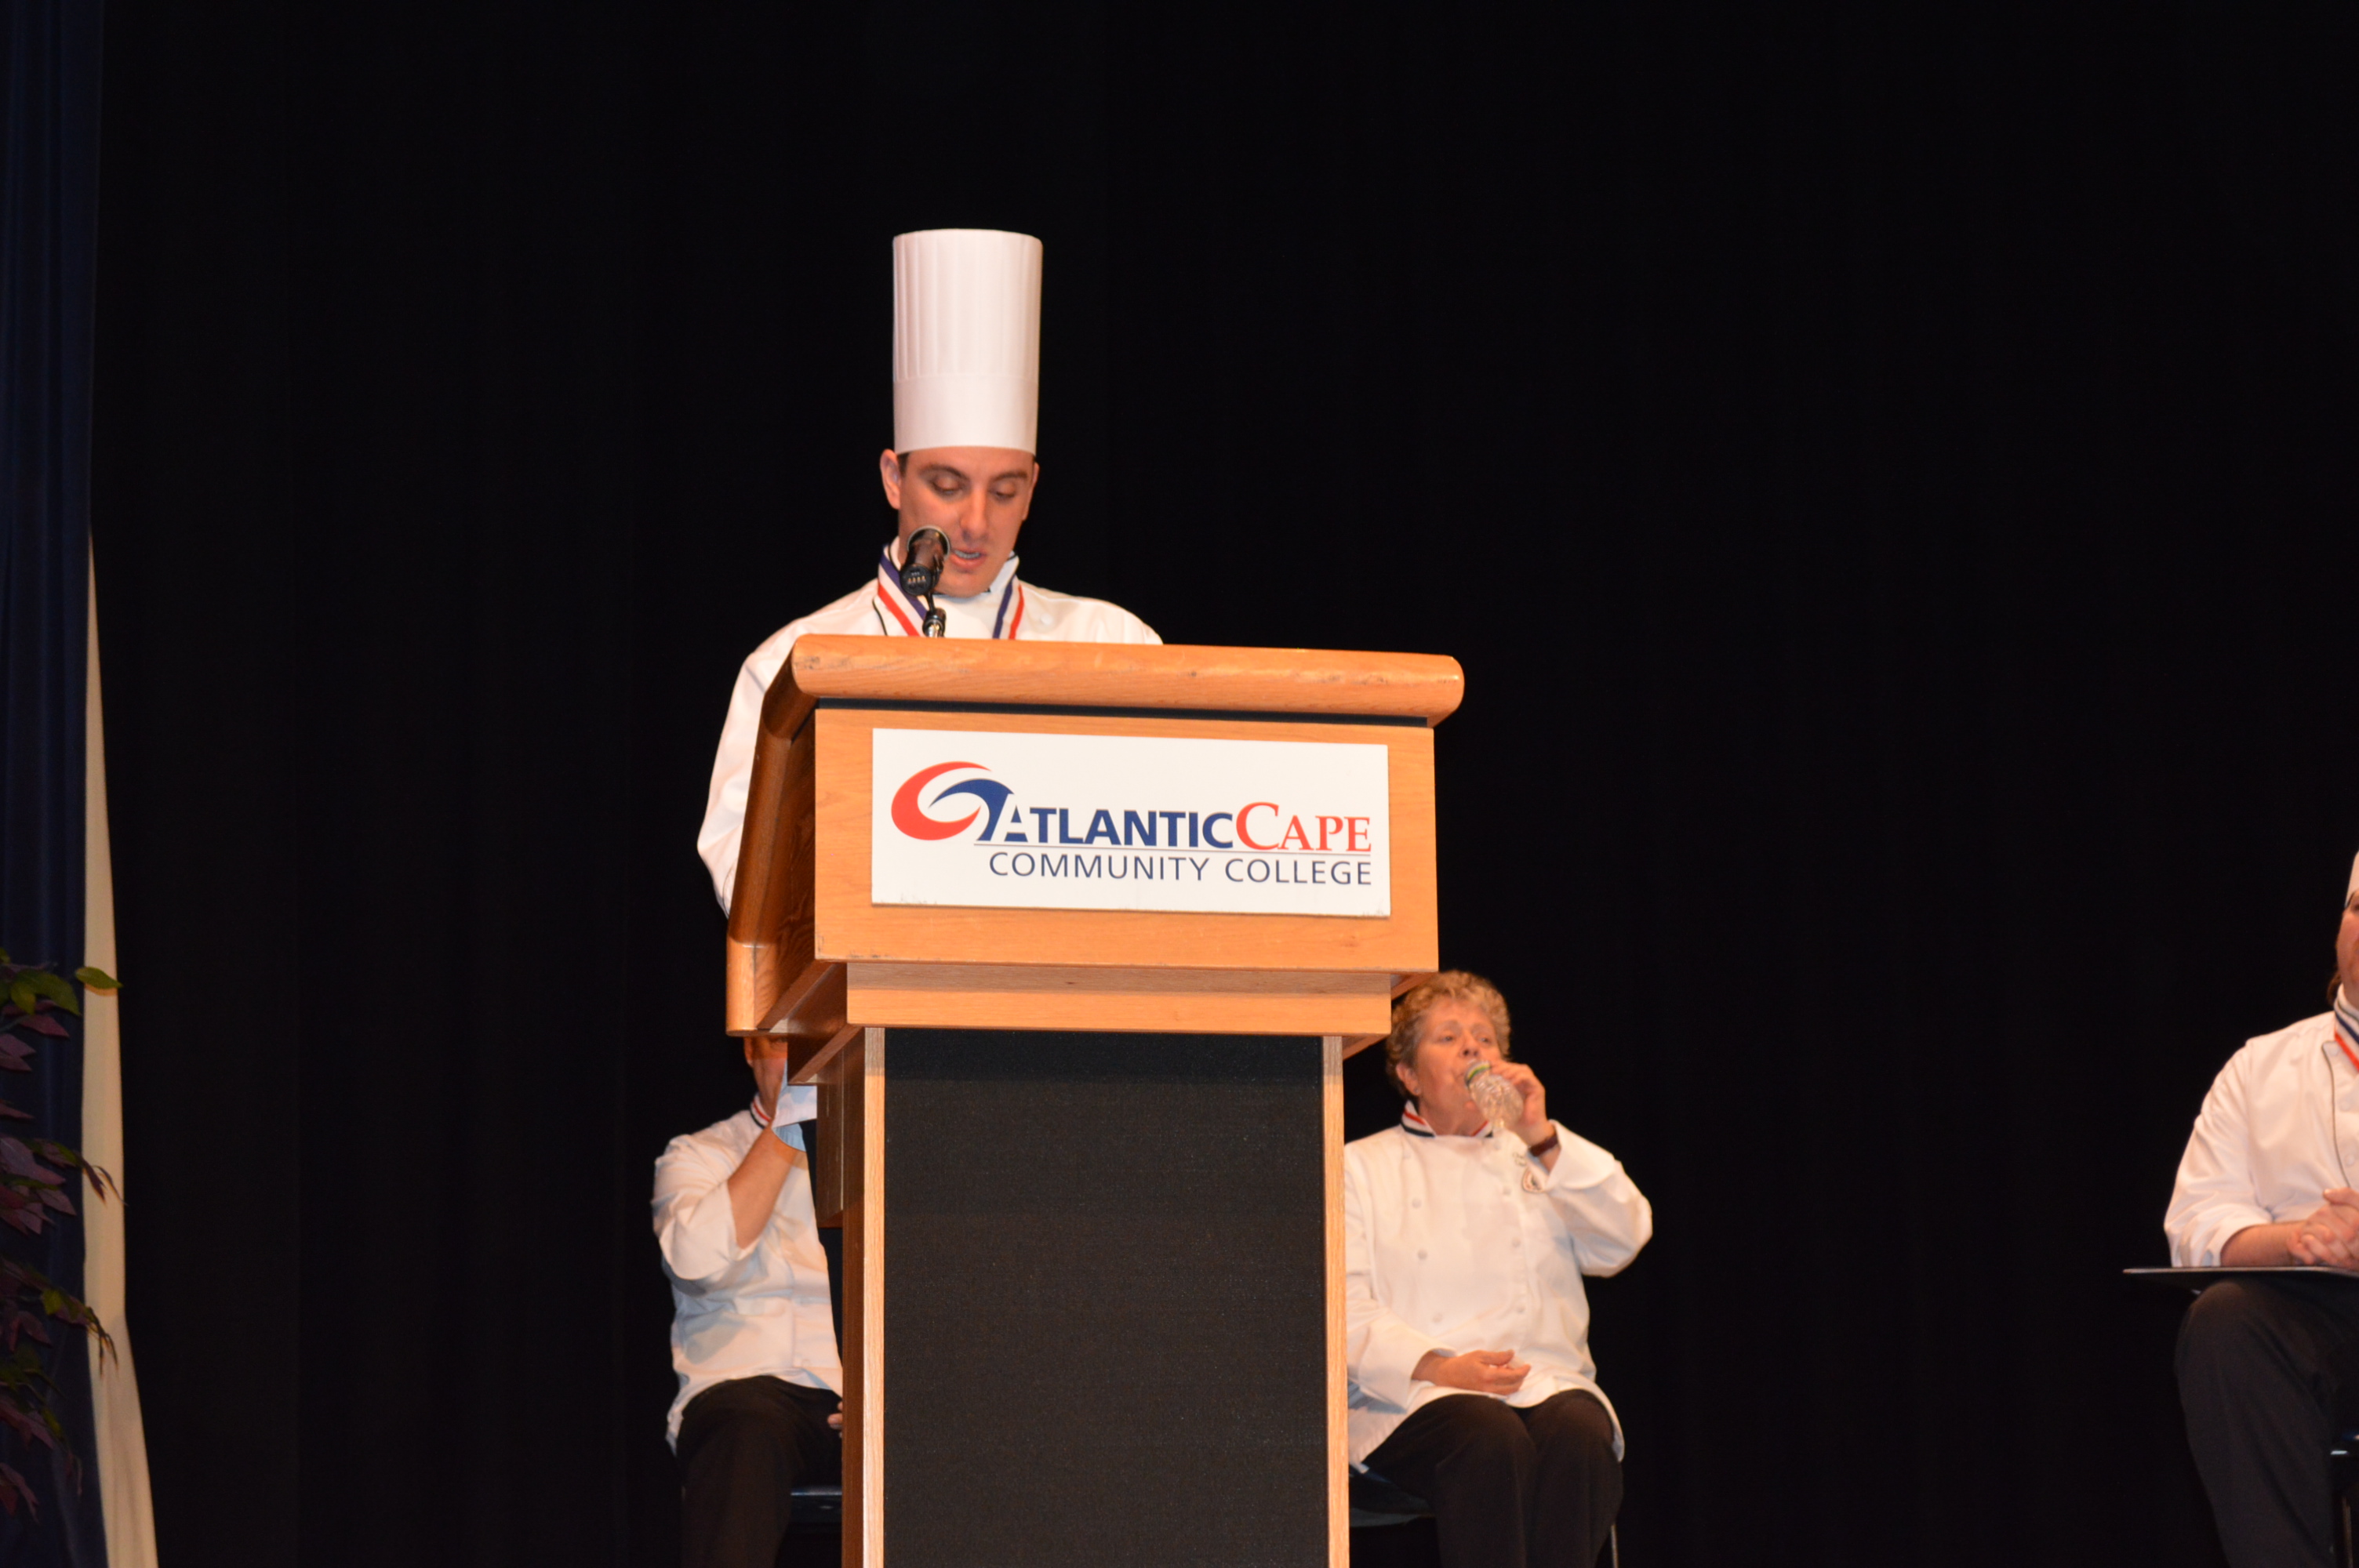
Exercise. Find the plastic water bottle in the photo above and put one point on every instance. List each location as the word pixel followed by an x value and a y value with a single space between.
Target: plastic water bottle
pixel 1495 1096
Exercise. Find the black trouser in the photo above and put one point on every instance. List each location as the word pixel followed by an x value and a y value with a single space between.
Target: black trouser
pixel 744 1446
pixel 1510 1487
pixel 2268 1372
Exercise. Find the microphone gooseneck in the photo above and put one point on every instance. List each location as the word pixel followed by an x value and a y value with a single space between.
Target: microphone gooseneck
pixel 921 572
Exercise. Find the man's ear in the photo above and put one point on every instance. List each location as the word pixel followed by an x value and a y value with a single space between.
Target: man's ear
pixel 1031 493
pixel 888 468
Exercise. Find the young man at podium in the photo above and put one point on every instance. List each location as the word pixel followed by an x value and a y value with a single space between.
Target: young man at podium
pixel 753 1338
pixel 966 393
pixel 2269 1367
pixel 1468 1328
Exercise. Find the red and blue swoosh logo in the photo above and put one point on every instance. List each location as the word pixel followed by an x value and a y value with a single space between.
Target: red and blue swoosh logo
pixel 1295 832
pixel 912 818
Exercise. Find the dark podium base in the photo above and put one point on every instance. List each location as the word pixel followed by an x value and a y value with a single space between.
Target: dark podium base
pixel 1104 1300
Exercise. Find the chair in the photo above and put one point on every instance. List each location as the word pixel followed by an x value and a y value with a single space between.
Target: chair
pixel 2344 1457
pixel 2342 1453
pixel 815 1508
pixel 1376 1502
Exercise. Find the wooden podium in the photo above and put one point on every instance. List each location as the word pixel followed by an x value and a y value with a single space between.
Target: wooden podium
pixel 1114 1330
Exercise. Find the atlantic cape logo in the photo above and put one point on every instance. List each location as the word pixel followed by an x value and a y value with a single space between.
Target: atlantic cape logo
pixel 1256 841
pixel 1000 819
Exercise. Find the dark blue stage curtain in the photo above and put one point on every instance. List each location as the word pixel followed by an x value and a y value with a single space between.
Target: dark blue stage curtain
pixel 49 178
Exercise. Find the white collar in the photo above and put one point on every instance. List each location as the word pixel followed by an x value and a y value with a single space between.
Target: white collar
pixel 1413 1122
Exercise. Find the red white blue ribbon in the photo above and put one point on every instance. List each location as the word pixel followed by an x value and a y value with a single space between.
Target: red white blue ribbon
pixel 1416 1126
pixel 891 597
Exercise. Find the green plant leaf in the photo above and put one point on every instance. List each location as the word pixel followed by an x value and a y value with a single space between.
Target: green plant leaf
pixel 98 980
pixel 44 983
pixel 22 994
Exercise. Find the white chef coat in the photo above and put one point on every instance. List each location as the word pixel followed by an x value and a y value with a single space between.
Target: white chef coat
pixel 1459 1244
pixel 742 1312
pixel 880 608
pixel 2279 1127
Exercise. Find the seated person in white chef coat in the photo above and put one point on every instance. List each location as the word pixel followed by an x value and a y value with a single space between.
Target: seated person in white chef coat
pixel 1470 1380
pixel 753 1335
pixel 2269 1369
pixel 966 358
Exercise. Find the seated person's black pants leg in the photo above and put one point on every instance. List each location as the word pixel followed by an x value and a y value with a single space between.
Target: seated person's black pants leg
pixel 1510 1487
pixel 2268 1373
pixel 744 1447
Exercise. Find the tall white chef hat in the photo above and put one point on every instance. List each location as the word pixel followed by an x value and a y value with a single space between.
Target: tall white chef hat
pixel 966 340
pixel 2354 881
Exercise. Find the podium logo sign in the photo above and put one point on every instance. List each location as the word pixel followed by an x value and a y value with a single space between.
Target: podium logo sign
pixel 1130 822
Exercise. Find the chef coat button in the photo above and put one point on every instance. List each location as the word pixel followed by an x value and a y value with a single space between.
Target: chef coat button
pixel 1417 1203
pixel 1420 1253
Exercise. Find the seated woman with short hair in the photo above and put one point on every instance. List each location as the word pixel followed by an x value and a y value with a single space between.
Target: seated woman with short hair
pixel 1472 1384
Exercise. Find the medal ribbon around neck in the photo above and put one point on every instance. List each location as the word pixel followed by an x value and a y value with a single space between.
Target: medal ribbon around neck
pixel 2346 1027
pixel 1416 1126
pixel 892 596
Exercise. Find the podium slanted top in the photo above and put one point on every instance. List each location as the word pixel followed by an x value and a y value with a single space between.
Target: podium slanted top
pixel 1311 681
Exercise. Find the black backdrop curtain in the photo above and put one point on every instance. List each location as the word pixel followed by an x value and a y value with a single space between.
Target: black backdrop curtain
pixel 1888 477
pixel 49 74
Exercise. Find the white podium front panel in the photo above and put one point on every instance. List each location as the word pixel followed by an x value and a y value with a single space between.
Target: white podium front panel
pixel 1002 820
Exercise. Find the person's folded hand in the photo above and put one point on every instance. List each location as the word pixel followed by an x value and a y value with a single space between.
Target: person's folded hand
pixel 2331 1234
pixel 1476 1371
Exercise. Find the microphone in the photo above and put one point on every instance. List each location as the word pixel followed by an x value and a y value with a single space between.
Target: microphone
pixel 921 570
pixel 921 561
